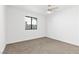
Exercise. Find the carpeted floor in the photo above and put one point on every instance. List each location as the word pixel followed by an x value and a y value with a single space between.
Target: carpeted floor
pixel 41 46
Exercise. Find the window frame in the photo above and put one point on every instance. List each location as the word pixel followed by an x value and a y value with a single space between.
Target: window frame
pixel 31 22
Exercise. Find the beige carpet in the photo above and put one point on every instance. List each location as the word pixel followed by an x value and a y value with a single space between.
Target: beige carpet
pixel 41 46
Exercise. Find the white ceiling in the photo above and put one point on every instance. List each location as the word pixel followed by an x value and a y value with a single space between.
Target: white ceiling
pixel 42 9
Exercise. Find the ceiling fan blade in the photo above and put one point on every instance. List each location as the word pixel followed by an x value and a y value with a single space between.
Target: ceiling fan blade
pixel 55 8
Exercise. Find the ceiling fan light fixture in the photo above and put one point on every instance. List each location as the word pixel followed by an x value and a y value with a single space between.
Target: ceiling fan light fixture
pixel 51 8
pixel 49 12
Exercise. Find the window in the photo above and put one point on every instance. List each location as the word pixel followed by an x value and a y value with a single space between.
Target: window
pixel 30 23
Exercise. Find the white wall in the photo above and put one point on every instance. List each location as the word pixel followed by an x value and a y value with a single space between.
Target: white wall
pixel 2 28
pixel 15 25
pixel 64 25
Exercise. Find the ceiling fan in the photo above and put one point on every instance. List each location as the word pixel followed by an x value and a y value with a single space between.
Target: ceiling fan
pixel 51 8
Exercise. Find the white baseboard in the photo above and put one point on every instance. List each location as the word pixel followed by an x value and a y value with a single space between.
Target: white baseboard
pixel 31 38
pixel 2 49
pixel 69 42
